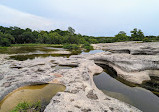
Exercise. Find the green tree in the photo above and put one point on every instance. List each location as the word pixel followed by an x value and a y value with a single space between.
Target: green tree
pixel 5 39
pixel 71 30
pixel 146 39
pixel 54 38
pixel 27 37
pixel 45 38
pixel 4 42
pixel 121 36
pixel 137 35
pixel 16 33
pixel 157 38
pixel 28 30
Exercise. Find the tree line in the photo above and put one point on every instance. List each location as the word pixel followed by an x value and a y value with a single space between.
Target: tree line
pixel 16 35
pixel 136 35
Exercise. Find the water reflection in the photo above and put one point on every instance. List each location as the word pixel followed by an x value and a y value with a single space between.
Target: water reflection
pixel 25 53
pixel 92 52
pixel 33 56
pixel 136 96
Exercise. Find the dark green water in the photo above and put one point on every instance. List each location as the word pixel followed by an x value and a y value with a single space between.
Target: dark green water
pixel 136 96
pixel 33 56
pixel 26 49
pixel 32 52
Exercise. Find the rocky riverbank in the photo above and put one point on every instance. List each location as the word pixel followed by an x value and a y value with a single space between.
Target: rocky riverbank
pixel 133 61
pixel 81 93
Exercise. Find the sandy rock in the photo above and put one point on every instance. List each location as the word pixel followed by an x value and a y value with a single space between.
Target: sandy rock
pixel 56 75
pixel 80 95
pixel 1 76
pixel 133 61
pixel 60 52
pixel 6 84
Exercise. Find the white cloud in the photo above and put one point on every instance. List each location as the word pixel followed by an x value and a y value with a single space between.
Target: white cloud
pixel 107 17
pixel 12 17
pixel 90 17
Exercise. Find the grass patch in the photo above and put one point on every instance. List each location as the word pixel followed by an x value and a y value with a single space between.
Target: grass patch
pixel 71 46
pixel 4 47
pixel 28 107
pixel 46 45
pixel 86 47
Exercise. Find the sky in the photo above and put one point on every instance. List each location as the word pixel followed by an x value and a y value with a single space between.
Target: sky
pixel 87 17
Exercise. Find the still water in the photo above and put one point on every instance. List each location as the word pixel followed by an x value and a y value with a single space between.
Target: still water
pixel 25 52
pixel 136 96
pixel 43 93
pixel 92 52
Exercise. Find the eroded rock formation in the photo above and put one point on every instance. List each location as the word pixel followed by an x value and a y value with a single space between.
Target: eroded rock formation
pixel 134 61
pixel 81 94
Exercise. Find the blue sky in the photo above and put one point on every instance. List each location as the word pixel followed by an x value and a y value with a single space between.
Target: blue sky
pixel 89 17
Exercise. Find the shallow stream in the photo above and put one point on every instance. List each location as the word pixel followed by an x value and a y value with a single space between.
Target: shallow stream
pixel 24 53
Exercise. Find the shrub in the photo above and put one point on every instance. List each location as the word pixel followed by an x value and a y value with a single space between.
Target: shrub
pixel 5 42
pixel 71 46
pixel 87 46
pixel 146 40
pixel 25 107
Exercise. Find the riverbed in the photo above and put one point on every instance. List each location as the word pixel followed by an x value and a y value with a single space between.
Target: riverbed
pixel 136 96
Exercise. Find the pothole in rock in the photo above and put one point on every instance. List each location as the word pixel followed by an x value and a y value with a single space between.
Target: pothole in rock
pixel 110 84
pixel 31 94
pixel 152 85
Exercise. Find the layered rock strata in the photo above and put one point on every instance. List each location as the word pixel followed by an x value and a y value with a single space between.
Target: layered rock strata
pixel 133 61
pixel 81 94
